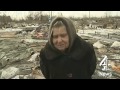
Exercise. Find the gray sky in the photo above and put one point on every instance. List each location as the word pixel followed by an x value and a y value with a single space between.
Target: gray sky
pixel 22 14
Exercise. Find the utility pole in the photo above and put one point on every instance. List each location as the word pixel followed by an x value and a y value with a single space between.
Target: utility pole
pixel 106 14
pixel 117 14
pixel 51 15
pixel 40 16
pixel 89 14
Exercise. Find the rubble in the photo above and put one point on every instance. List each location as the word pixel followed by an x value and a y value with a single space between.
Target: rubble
pixel 22 52
pixel 21 55
pixel 9 72
pixel 116 44
pixel 102 46
pixel 98 45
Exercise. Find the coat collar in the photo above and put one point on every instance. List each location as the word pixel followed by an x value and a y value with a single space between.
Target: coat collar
pixel 78 50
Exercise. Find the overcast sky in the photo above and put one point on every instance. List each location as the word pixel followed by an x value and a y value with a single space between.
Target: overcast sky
pixel 22 14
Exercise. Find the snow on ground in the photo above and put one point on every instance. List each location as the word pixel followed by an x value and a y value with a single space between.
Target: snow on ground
pixel 102 31
pixel 10 29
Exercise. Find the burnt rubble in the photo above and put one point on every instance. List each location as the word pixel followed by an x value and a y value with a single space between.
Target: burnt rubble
pixel 16 60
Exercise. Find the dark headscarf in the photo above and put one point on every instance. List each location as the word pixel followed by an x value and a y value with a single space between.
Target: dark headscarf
pixel 69 27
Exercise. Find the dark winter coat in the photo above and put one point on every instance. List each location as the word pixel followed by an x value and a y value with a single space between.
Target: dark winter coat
pixel 80 63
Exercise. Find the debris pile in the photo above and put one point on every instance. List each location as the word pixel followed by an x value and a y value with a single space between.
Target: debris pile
pixel 18 60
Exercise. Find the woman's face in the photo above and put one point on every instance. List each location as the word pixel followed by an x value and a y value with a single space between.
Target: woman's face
pixel 60 38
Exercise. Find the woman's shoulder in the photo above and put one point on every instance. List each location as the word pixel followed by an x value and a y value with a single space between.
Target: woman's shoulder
pixel 84 43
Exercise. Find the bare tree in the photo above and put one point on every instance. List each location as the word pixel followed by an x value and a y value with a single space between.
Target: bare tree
pixel 108 14
pixel 84 16
pixel 38 15
pixel 30 17
pixel 60 14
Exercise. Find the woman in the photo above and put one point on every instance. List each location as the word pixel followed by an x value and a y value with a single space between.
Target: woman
pixel 66 55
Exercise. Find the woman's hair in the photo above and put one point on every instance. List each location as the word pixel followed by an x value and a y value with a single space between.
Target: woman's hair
pixel 58 24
